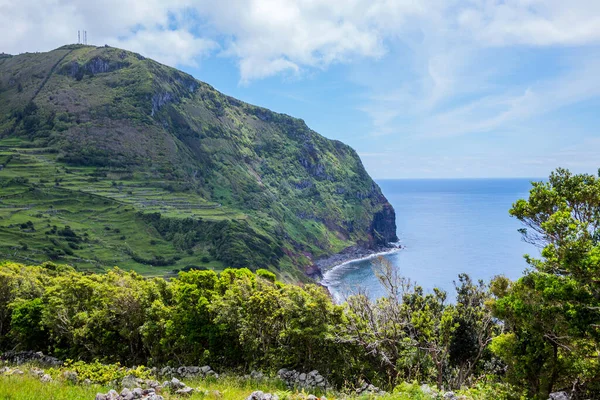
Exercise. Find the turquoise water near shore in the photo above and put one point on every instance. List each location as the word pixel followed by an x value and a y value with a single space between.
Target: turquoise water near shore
pixel 446 227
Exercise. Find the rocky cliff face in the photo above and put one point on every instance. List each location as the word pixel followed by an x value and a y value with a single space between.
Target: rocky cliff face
pixel 260 189
pixel 383 228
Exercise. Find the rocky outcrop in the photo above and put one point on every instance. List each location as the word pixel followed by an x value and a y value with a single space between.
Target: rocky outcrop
pixel 24 357
pixel 383 228
pixel 301 380
pixel 559 396
pixel 188 372
pixel 258 395
pixel 369 389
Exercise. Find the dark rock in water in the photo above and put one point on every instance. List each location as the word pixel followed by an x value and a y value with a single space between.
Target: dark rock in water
pixel 23 357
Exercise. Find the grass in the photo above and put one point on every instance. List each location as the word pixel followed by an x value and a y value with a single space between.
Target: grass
pixel 26 387
pixel 103 213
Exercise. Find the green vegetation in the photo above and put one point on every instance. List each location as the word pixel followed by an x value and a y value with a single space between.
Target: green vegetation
pixel 23 387
pixel 155 171
pixel 521 339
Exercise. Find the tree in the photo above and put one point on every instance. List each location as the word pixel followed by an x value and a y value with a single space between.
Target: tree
pixel 553 312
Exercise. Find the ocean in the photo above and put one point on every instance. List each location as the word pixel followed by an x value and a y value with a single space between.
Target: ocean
pixel 446 227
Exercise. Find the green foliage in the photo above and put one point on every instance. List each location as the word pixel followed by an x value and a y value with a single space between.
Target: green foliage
pixel 104 374
pixel 552 312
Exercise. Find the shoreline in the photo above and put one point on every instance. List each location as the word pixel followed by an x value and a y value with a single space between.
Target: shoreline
pixel 350 255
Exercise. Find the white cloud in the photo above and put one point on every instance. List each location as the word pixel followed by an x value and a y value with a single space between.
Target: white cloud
pixel 444 57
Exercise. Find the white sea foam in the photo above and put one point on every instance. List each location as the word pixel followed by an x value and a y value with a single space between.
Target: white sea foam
pixel 331 277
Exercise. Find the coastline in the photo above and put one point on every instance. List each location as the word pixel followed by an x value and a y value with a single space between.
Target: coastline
pixel 350 255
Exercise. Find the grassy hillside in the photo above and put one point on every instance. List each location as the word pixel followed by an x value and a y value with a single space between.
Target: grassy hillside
pixel 110 158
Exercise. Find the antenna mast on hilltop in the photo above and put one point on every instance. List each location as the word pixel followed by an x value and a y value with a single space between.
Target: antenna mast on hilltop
pixel 82 37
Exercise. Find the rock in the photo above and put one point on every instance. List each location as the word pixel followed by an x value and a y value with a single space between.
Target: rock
pixel 186 391
pixel 16 372
pixel 258 395
pixel 428 390
pixel 86 382
pixel 205 369
pixel 100 396
pixel 216 393
pixel 256 375
pixel 129 382
pixel 46 378
pixel 127 394
pixel 137 393
pixel 559 396
pixel 154 396
pixel 37 372
pixel 23 357
pixel 71 377
pixel 4 370
pixel 302 377
pixel 312 397
pixel 112 395
pixel 449 396
pixel 152 384
pixel 176 384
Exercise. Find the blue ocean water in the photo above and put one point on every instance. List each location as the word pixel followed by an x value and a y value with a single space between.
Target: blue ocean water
pixel 446 227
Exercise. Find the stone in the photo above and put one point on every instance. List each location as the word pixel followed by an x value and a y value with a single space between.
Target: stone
pixel 137 393
pixel 312 397
pixel 205 369
pixel 86 382
pixel 112 395
pixel 36 372
pixel 46 378
pixel 302 377
pixel 256 375
pixel 450 396
pixel 16 372
pixel 186 391
pixel 215 393
pixel 71 377
pixel 129 382
pixel 559 396
pixel 127 394
pixel 319 378
pixel 152 384
pixel 258 395
pixel 100 396
pixel 176 384
pixel 154 396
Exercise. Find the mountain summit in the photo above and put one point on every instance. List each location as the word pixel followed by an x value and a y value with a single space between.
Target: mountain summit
pixel 109 158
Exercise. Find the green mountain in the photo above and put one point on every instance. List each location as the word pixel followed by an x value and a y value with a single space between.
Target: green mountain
pixel 109 158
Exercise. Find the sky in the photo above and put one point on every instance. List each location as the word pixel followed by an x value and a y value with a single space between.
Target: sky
pixel 419 88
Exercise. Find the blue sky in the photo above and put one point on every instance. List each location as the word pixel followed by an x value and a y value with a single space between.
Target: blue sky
pixel 420 88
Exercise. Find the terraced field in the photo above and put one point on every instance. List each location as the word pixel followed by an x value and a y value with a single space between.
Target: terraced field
pixel 41 198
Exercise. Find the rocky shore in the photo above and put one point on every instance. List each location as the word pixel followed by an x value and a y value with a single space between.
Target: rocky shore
pixel 353 253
